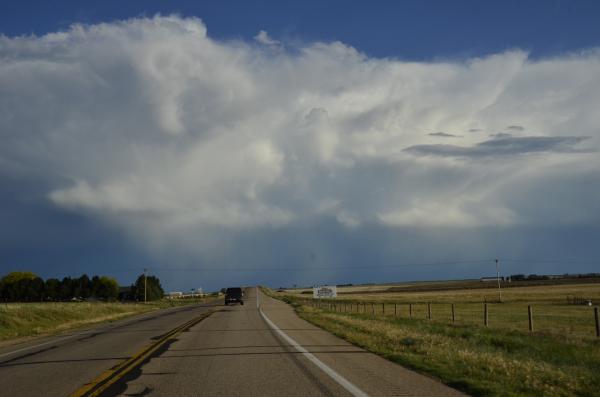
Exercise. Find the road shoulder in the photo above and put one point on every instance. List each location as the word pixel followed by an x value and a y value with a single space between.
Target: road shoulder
pixel 372 374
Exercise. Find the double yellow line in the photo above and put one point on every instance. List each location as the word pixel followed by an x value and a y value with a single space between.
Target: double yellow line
pixel 111 376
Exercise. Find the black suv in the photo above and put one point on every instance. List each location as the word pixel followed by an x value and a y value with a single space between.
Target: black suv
pixel 234 295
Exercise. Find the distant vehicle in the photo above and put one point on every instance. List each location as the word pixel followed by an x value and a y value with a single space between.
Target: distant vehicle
pixel 233 295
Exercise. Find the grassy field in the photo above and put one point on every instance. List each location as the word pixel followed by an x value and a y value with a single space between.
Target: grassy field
pixel 560 358
pixel 18 320
pixel 551 311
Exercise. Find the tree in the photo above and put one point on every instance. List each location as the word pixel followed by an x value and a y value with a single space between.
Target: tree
pixel 84 286
pixel 52 289
pixel 95 287
pixel 21 286
pixel 109 288
pixel 154 290
pixel 66 288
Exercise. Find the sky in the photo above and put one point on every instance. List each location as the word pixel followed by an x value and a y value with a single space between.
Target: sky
pixel 229 143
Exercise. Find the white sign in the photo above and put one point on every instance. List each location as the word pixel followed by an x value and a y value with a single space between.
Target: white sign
pixel 325 291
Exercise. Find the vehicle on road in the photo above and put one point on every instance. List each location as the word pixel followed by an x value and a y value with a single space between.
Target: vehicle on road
pixel 233 295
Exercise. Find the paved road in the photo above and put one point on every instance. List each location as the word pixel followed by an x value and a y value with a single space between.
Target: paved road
pixel 57 366
pixel 237 352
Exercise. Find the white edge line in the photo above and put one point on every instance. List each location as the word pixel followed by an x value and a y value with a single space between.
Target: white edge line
pixel 44 344
pixel 345 383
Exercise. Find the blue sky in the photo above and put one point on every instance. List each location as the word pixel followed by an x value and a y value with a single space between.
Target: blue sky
pixel 236 142
pixel 405 29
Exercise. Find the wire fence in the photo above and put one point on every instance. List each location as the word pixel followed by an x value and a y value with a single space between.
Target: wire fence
pixel 569 320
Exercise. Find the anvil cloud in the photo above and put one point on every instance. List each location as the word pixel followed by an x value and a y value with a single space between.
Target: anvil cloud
pixel 180 140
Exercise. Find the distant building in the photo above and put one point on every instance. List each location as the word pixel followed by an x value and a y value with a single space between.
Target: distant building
pixel 491 279
pixel 126 294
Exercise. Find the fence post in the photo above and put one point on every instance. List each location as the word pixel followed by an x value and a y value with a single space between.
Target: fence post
pixel 485 314
pixel 383 308
pixel 410 310
pixel 530 315
pixel 396 309
pixel 597 323
pixel 429 311
pixel 372 308
pixel 453 313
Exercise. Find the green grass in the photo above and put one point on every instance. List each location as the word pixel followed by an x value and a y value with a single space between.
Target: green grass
pixel 477 360
pixel 18 320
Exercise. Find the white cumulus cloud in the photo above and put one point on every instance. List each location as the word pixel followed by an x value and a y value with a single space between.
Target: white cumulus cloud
pixel 152 125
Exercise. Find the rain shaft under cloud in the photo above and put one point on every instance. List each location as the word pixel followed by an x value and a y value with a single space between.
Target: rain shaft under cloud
pixel 205 152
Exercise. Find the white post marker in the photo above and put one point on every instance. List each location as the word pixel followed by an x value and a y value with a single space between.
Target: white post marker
pixel 345 383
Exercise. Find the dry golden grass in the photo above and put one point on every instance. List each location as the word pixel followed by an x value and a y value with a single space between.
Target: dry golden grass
pixel 551 312
pixel 18 320
pixel 533 294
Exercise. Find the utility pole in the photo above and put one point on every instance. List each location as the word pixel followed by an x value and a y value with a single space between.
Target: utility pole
pixel 146 284
pixel 498 278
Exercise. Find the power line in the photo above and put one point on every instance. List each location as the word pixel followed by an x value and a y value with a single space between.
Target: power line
pixel 363 267
pixel 308 268
pixel 565 262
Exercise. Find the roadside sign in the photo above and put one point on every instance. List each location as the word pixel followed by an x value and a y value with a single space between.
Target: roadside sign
pixel 325 291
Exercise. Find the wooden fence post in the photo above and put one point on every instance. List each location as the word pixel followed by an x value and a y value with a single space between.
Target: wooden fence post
pixel 396 310
pixel 530 315
pixel 372 308
pixel 485 314
pixel 383 308
pixel 410 310
pixel 429 311
pixel 453 313
pixel 597 322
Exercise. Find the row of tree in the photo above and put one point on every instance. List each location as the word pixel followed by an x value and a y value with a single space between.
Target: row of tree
pixel 28 287
pixel 519 277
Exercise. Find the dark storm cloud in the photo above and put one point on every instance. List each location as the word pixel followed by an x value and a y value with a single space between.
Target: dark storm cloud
pixel 501 147
pixel 501 135
pixel 443 135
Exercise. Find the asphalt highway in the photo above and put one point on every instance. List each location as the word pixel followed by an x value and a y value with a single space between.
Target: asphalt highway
pixel 261 348
pixel 59 365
